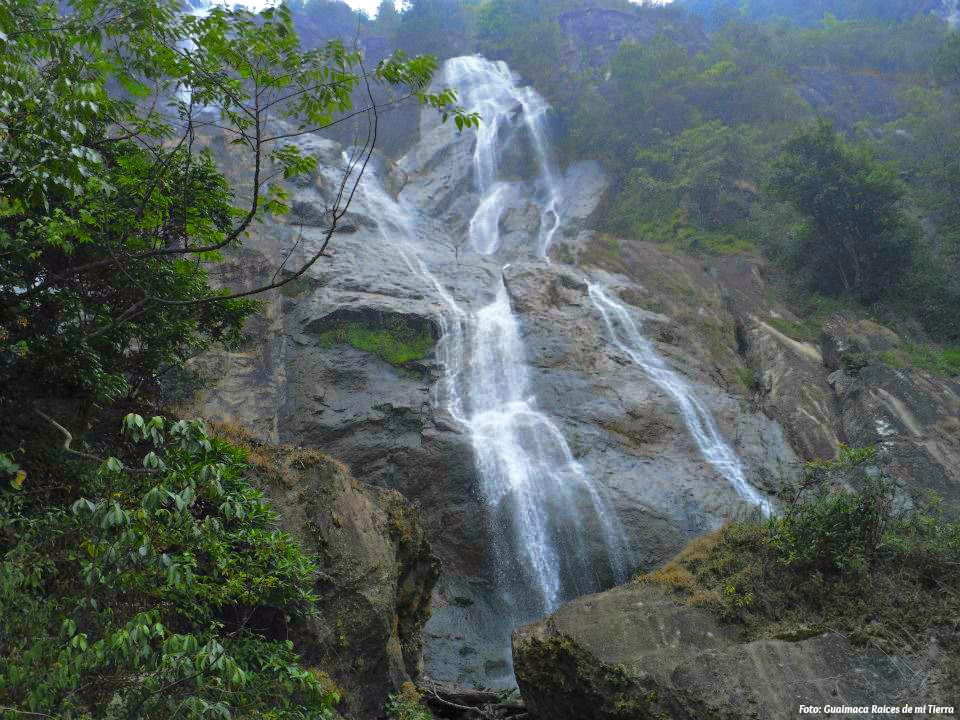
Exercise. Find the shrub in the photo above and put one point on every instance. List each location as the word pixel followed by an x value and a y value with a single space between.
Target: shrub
pixel 843 555
pixel 155 591
pixel 405 705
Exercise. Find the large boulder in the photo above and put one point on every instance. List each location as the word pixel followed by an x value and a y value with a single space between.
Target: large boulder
pixel 632 653
pixel 791 385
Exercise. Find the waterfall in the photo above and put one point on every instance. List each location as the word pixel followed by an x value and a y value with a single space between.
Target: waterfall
pixel 552 533
pixel 490 89
pixel 627 336
pixel 200 9
pixel 537 498
pixel 535 492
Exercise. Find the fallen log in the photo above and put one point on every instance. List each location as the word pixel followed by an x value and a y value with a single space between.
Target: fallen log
pixel 458 702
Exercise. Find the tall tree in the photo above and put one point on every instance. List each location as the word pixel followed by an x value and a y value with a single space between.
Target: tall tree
pixel 859 240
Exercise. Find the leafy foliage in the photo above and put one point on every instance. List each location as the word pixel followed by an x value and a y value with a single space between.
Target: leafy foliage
pixel 704 171
pixel 859 240
pixel 155 591
pixel 100 333
pixel 406 705
pixel 806 13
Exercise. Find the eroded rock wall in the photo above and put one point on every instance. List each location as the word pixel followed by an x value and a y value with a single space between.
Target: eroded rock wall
pixel 377 570
pixel 715 321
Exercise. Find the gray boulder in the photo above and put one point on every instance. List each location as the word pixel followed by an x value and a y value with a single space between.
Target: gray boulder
pixel 632 653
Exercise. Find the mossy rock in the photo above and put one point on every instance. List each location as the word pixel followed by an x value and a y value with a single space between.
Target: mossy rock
pixel 397 342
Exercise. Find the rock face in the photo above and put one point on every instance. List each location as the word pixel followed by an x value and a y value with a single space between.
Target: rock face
pixel 377 573
pixel 633 654
pixel 910 415
pixel 300 380
pixel 845 382
pixel 847 96
pixel 294 382
pixel 623 427
pixel 592 36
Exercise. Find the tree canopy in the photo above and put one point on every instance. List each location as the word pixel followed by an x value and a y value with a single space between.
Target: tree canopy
pixel 154 590
pixel 859 240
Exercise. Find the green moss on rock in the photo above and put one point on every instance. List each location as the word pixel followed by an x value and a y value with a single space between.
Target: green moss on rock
pixel 397 342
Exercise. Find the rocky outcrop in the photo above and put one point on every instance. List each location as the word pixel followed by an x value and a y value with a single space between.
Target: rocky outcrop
pixel 622 426
pixel 847 381
pixel 791 387
pixel 299 380
pixel 853 340
pixel 847 96
pixel 295 382
pixel 377 571
pixel 911 415
pixel 592 36
pixel 632 653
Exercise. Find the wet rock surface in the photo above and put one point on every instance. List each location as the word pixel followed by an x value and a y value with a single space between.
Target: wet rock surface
pixel 377 572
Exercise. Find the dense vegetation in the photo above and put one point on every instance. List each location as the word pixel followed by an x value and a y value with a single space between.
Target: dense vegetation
pixel 155 590
pixel 113 213
pixel 718 149
pixel 149 581
pixel 856 561
pixel 807 13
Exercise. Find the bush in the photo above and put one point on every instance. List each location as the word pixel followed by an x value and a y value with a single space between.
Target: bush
pixel 834 529
pixel 405 705
pixel 154 591
pixel 841 556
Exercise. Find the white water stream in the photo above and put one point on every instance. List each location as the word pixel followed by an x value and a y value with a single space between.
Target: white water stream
pixel 490 89
pixel 626 335
pixel 543 511
pixel 551 530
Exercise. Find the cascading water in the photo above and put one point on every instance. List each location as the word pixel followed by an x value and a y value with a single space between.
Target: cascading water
pixel 201 8
pixel 538 500
pixel 627 336
pixel 551 532
pixel 537 497
pixel 952 8
pixel 535 492
pixel 490 89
